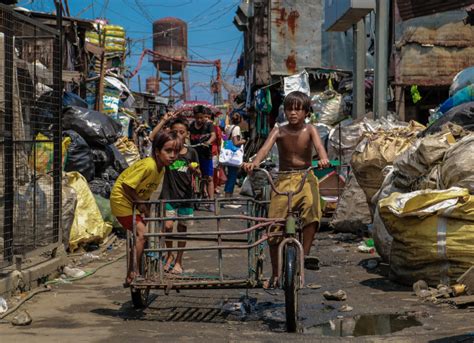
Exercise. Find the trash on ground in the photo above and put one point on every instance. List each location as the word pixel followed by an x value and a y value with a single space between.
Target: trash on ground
pixel 73 272
pixel 340 295
pixel 313 286
pixel 372 264
pixel 345 308
pixel 363 247
pixel 3 305
pixel 22 318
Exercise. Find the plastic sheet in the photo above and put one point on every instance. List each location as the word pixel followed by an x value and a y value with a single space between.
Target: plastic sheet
pixel 69 203
pixel 128 149
pixel 95 127
pixel 462 79
pixel 433 235
pixel 79 156
pixel 71 99
pixel 462 96
pixel 104 207
pixel 298 82
pixel 329 107
pixel 88 225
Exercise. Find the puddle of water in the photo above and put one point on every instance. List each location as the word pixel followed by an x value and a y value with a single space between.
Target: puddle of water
pixel 364 325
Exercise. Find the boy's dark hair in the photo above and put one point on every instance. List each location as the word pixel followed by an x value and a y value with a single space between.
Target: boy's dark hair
pixel 297 100
pixel 180 121
pixel 198 109
pixel 164 137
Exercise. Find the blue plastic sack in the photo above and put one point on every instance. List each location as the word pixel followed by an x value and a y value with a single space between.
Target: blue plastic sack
pixel 460 97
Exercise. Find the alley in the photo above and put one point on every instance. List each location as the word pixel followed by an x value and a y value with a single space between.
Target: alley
pixel 98 309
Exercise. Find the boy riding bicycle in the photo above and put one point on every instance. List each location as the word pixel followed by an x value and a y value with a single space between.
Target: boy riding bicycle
pixel 295 142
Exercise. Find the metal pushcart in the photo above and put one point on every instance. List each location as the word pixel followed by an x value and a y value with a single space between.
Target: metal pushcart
pixel 150 272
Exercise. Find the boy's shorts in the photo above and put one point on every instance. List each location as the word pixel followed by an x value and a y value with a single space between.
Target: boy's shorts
pixel 127 221
pixel 206 166
pixel 307 202
pixel 175 210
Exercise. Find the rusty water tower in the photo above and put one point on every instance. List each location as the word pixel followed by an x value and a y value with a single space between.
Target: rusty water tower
pixel 170 44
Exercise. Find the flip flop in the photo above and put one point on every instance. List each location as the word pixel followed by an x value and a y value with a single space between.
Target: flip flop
pixel 311 263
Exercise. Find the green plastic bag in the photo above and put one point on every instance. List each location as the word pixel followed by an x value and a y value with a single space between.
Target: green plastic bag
pixel 104 208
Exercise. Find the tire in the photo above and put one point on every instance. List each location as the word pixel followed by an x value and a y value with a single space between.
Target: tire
pixel 290 284
pixel 140 295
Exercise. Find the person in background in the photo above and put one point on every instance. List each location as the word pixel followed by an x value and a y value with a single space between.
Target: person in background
pixel 137 183
pixel 216 148
pixel 202 132
pixel 233 133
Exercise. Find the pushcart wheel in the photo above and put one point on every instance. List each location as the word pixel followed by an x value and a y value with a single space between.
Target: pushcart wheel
pixel 290 284
pixel 140 295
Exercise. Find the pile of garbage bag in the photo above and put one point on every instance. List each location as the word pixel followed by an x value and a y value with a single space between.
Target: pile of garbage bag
pixel 376 151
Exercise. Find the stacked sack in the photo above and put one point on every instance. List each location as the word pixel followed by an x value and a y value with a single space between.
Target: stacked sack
pixel 378 150
pixel 423 223
pixel 112 37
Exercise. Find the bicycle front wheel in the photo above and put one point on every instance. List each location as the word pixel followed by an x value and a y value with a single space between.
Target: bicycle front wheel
pixel 290 284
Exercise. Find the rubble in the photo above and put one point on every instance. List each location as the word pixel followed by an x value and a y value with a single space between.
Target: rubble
pixel 22 318
pixel 340 295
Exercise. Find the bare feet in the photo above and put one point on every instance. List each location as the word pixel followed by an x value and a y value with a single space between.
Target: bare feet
pixel 169 261
pixel 272 283
pixel 129 279
pixel 177 269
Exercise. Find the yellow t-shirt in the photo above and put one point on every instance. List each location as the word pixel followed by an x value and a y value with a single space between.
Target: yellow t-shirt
pixel 143 176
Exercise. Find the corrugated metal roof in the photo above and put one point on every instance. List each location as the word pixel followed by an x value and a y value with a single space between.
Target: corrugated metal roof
pixel 417 8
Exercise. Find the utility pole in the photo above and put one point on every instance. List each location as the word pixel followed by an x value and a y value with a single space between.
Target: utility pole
pixel 382 18
pixel 358 85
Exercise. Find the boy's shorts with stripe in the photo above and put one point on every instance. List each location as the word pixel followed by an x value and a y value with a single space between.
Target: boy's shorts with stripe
pixel 307 202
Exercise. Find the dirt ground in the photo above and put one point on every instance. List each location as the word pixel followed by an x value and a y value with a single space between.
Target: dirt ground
pixel 99 309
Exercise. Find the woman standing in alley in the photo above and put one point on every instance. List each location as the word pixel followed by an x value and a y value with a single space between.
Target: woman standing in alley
pixel 233 133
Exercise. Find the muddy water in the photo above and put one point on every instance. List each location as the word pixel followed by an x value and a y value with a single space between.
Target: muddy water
pixel 364 325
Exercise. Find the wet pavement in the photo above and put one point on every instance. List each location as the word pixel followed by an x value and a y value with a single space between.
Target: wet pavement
pixel 98 309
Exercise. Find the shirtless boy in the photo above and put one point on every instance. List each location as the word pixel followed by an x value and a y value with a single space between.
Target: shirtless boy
pixel 295 142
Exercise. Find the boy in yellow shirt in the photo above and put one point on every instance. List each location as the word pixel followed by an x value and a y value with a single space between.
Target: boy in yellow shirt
pixel 137 183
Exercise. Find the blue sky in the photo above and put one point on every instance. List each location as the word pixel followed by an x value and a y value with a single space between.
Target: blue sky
pixel 211 34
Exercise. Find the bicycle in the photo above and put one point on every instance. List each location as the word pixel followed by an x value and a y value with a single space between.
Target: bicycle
pixel 290 251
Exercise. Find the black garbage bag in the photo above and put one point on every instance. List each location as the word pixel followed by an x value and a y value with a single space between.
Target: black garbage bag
pixel 79 156
pixel 119 161
pixel 96 128
pixel 71 99
pixel 100 187
pixel 102 159
pixel 110 174
pixel 462 115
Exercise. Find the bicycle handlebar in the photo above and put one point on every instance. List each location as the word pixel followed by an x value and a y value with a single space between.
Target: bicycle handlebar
pixel 272 185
